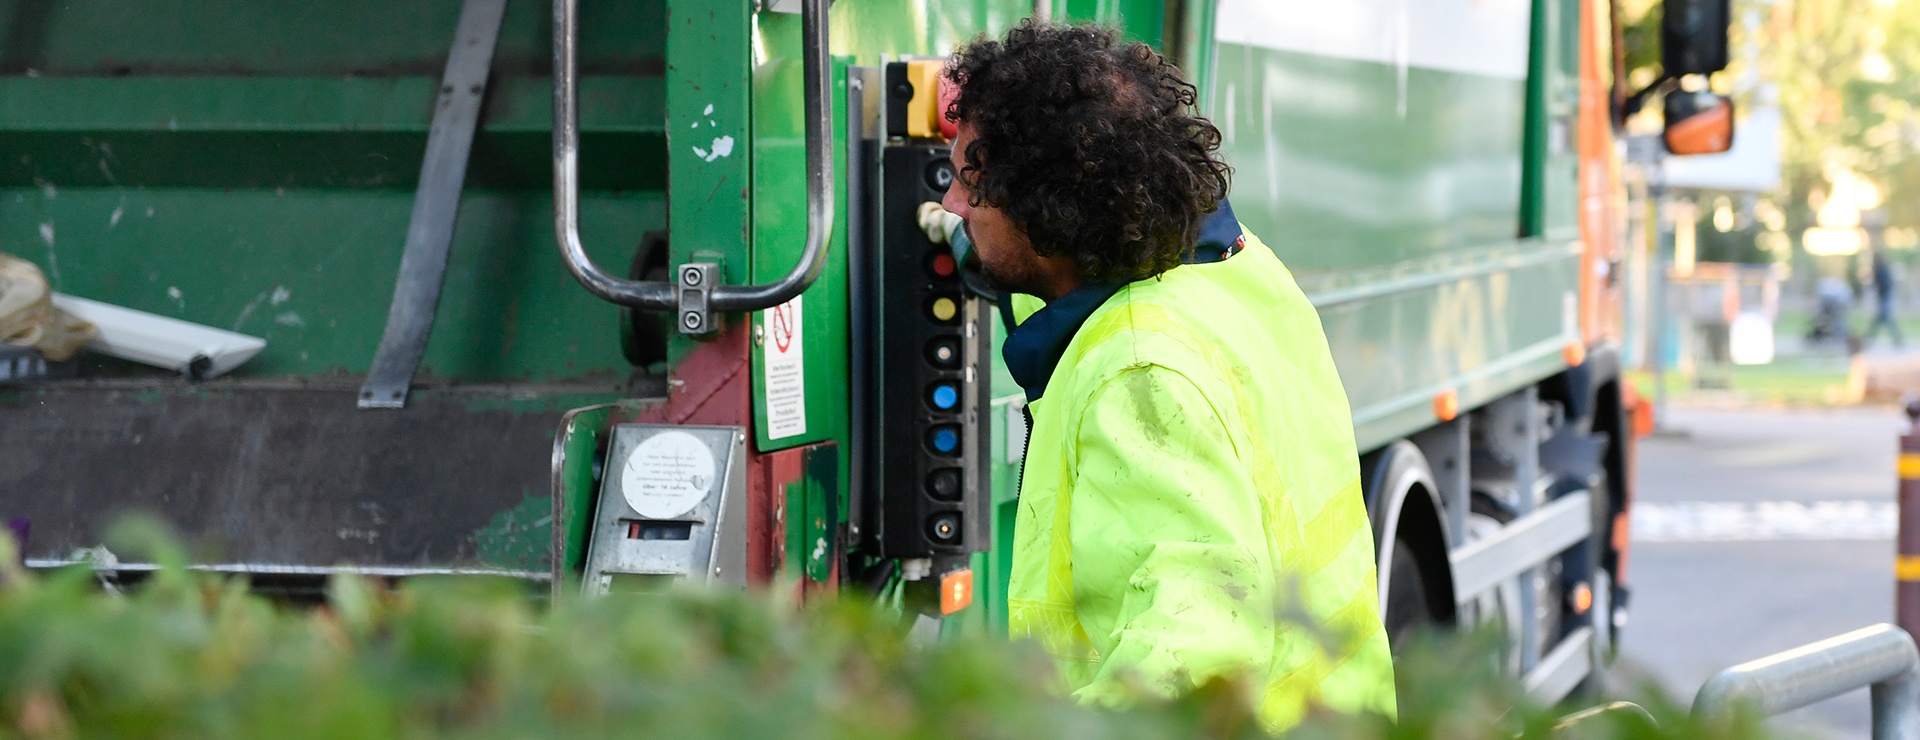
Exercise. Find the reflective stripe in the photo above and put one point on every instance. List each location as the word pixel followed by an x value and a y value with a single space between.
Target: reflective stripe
pixel 1349 628
pixel 1909 466
pixel 1906 568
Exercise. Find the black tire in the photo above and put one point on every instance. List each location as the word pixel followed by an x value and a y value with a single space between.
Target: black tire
pixel 1406 613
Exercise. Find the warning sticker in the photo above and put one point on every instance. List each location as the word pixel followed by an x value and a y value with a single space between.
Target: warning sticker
pixel 786 371
pixel 667 475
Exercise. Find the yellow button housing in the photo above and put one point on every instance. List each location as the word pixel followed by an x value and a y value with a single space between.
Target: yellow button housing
pixel 923 110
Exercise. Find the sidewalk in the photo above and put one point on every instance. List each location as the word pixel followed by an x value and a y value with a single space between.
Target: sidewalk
pixel 1800 375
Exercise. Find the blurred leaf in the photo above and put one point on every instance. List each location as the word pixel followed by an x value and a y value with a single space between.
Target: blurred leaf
pixel 194 655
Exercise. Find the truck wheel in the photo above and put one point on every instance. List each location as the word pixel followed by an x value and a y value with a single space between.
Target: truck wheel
pixel 1407 612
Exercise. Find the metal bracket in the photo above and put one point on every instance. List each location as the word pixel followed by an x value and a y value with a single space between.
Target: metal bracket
pixel 1522 545
pixel 436 204
pixel 692 291
pixel 19 363
pixel 673 504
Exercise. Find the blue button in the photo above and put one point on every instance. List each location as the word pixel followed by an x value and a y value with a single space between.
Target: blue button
pixel 945 440
pixel 945 397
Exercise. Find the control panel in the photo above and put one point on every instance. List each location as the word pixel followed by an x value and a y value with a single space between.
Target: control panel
pixel 928 344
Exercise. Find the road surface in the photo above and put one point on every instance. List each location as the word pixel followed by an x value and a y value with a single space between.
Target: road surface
pixel 1760 530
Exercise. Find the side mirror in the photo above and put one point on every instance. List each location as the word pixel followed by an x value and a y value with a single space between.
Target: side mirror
pixel 1693 36
pixel 1698 123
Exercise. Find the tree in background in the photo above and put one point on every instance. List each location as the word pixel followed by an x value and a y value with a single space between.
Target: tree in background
pixel 1846 77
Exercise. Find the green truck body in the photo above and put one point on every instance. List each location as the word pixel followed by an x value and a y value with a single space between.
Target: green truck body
pixel 251 166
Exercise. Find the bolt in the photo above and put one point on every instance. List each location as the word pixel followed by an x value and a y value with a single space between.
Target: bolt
pixel 691 319
pixel 691 276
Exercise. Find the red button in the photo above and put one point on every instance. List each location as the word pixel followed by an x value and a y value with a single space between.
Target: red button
pixel 943 265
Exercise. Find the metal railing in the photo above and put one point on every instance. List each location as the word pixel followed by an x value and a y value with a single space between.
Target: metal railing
pixel 1882 656
pixel 695 293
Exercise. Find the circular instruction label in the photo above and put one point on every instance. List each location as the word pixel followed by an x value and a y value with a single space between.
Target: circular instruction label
pixel 667 475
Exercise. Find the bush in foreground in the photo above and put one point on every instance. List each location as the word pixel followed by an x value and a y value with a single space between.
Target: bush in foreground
pixel 190 655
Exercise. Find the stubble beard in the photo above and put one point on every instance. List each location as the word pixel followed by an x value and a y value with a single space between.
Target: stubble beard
pixel 1008 274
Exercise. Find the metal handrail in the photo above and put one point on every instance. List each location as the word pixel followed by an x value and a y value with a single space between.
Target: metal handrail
pixel 1882 656
pixel 663 295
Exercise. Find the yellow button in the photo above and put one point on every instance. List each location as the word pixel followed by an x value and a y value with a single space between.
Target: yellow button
pixel 943 309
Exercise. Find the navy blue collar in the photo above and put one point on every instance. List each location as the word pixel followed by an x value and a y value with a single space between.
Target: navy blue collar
pixel 1034 347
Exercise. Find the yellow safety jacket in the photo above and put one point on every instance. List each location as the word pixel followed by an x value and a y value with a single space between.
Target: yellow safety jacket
pixel 1190 505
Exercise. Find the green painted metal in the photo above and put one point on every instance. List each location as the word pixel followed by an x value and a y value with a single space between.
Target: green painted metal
pixel 1333 178
pixel 250 166
pixel 578 448
pixel 1533 195
pixel 780 228
pixel 1138 20
pixel 277 143
pixel 812 517
pixel 1398 217
pixel 288 38
pixel 310 270
pixel 861 32
pixel 281 140
pixel 310 132
pixel 1550 191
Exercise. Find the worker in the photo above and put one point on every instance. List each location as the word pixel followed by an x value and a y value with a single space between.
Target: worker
pixel 1190 503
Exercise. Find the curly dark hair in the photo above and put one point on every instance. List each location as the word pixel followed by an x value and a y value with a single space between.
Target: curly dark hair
pixel 1088 144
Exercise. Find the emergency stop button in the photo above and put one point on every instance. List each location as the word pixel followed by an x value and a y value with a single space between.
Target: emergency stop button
pixel 923 109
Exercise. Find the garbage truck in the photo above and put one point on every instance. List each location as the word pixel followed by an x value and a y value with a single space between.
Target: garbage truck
pixel 601 295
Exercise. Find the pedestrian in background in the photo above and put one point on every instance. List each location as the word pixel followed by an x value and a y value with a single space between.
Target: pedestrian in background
pixel 1883 285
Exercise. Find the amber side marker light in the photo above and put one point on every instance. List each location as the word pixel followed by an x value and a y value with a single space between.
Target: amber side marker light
pixel 1574 353
pixel 1446 405
pixel 956 591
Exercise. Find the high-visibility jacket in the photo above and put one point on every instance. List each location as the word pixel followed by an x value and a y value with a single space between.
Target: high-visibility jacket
pixel 1190 505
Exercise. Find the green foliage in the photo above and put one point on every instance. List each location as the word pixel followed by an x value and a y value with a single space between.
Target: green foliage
pixel 190 655
pixel 1846 76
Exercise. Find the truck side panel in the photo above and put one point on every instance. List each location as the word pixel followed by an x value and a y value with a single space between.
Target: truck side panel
pixel 1381 150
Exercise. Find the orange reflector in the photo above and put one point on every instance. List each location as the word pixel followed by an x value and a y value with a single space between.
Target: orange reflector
pixel 1446 405
pixel 1582 599
pixel 1574 353
pixel 956 591
pixel 1643 421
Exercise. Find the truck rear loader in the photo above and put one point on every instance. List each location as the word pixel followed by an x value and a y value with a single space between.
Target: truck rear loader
pixel 745 363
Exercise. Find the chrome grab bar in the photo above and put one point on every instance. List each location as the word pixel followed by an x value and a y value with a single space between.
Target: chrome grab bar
pixel 692 296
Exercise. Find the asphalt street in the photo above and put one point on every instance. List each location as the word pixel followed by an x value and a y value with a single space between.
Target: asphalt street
pixel 1760 530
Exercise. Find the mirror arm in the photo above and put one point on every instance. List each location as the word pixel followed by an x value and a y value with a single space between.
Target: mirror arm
pixel 1665 83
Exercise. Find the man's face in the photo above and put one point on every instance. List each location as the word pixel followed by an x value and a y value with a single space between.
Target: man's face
pixel 1006 256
